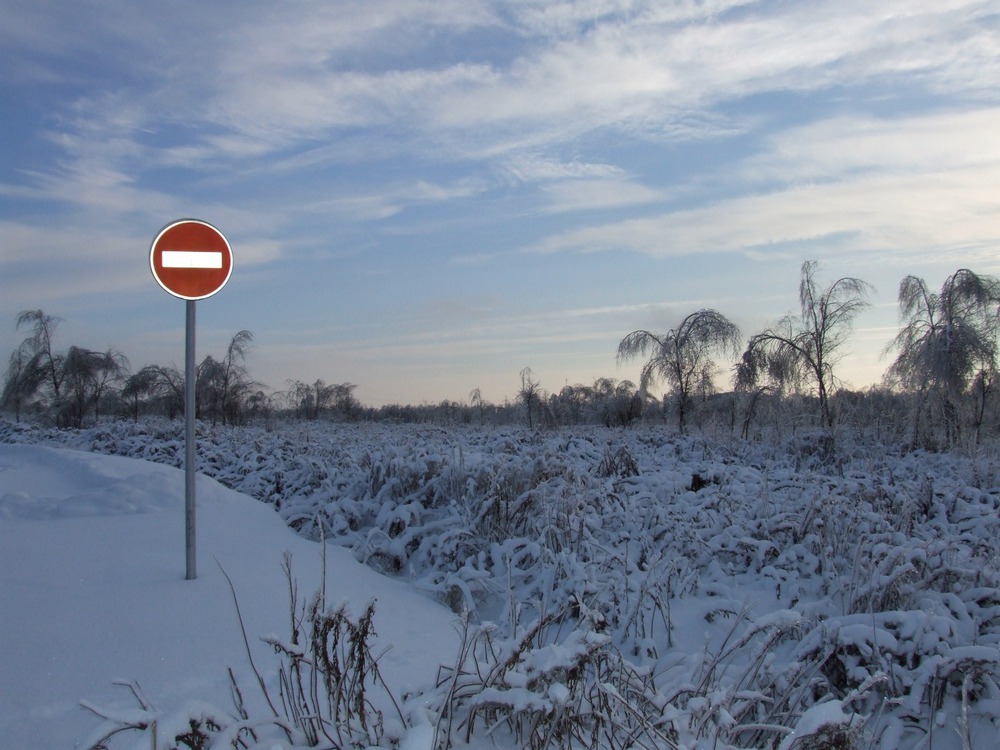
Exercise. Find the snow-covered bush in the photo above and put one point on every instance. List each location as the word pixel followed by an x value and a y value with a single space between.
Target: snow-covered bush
pixel 741 583
pixel 326 682
pixel 543 689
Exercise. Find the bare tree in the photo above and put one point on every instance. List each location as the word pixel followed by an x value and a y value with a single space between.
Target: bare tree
pixel 343 399
pixel 298 397
pixel 140 388
pixel 236 383
pixel 260 404
pixel 309 400
pixel 209 382
pixel 684 356
pixel 476 400
pixel 323 396
pixel 573 403
pixel 759 373
pixel 530 394
pixel 224 385
pixel 947 345
pixel 172 389
pixel 806 348
pixel 79 374
pixel 625 405
pixel 110 369
pixel 22 381
pixel 44 364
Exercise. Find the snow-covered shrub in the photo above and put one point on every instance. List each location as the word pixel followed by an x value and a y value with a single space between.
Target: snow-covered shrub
pixel 324 681
pixel 619 463
pixel 543 689
pixel 326 685
pixel 192 726
pixel 826 726
pixel 886 560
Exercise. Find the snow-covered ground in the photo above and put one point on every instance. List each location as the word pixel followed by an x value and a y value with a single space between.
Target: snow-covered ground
pixel 93 591
pixel 683 592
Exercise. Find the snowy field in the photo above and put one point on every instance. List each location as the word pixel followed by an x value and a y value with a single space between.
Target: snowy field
pixel 593 587
pixel 93 590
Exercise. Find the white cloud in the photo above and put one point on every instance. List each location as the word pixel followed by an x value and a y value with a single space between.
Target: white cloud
pixel 257 252
pixel 890 185
pixel 44 263
pixel 570 17
pixel 393 199
pixel 272 82
pixel 831 148
pixel 592 195
pixel 527 167
pixel 884 214
pixel 285 124
pixel 629 70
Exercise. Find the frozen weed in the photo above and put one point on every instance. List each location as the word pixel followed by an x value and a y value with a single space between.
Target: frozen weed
pixel 543 690
pixel 619 463
pixel 888 556
pixel 326 683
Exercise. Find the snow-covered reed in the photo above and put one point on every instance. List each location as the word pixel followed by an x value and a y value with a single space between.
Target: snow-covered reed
pixel 636 588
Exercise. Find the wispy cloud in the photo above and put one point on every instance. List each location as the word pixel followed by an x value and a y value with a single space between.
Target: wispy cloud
pixel 878 214
pixel 578 186
pixel 857 145
pixel 593 195
pixel 393 199
pixel 527 167
pixel 892 185
pixel 273 83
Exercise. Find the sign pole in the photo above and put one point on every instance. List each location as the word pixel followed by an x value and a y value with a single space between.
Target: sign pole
pixel 189 442
pixel 191 260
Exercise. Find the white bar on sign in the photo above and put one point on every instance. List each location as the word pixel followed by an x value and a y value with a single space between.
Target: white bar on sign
pixel 191 259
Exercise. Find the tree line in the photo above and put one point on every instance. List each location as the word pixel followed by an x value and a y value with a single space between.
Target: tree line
pixel 945 352
pixel 940 383
pixel 78 384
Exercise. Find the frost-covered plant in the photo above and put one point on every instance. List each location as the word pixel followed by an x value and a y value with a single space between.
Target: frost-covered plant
pixel 619 463
pixel 546 690
pixel 327 673
pixel 194 725
pixel 888 557
pixel 326 680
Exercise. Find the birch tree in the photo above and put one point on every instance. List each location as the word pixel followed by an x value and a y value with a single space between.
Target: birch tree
pixel 947 344
pixel 807 347
pixel 683 357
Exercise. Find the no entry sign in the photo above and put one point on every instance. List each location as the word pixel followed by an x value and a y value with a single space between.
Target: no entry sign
pixel 191 259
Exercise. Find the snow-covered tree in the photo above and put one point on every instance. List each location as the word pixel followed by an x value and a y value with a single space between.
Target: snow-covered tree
pixel 805 348
pixel 86 377
pixel 683 357
pixel 947 343
pixel 38 366
pixel 224 385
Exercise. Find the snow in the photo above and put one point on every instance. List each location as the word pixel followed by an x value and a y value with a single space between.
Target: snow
pixel 829 714
pixel 784 594
pixel 93 591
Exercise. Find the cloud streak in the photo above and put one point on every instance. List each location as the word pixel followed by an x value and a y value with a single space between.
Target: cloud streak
pixel 883 186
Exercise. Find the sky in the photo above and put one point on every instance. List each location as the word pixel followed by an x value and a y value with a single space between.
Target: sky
pixel 424 197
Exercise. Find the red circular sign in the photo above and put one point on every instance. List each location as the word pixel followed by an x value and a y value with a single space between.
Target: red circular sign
pixel 191 259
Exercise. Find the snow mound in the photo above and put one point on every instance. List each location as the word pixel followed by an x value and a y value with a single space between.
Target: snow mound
pixel 92 591
pixel 75 484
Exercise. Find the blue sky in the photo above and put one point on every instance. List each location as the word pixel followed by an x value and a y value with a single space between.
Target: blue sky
pixel 426 196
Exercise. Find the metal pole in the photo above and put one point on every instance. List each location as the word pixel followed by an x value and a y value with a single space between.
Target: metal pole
pixel 189 443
